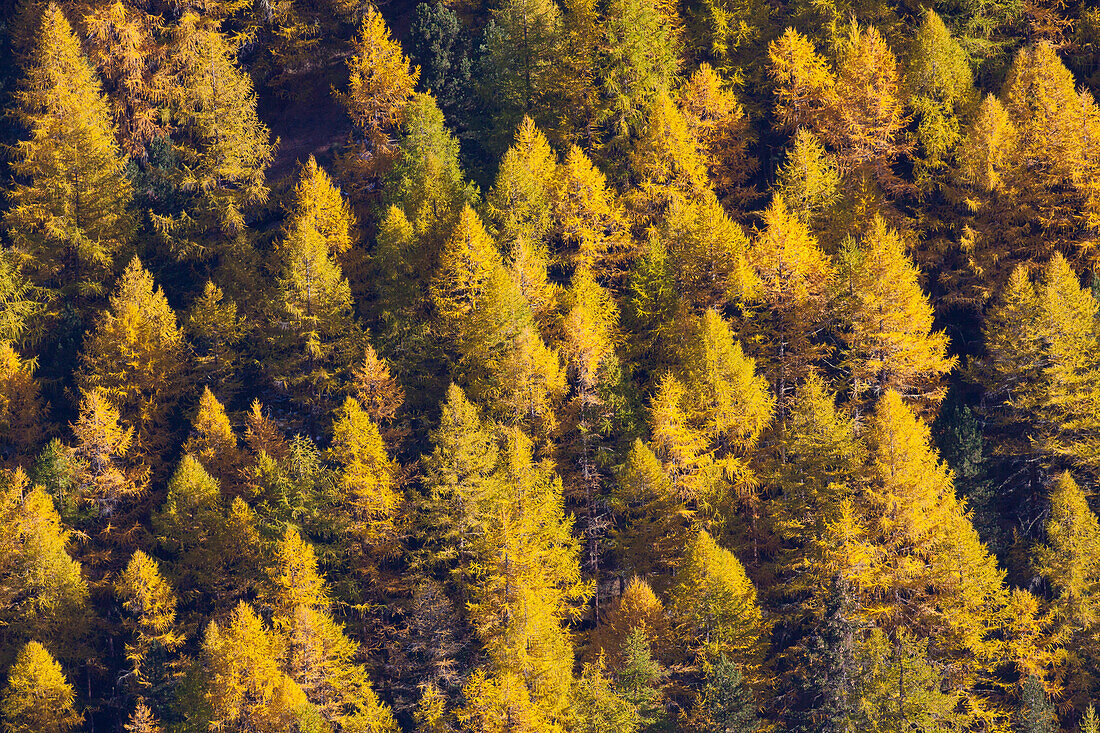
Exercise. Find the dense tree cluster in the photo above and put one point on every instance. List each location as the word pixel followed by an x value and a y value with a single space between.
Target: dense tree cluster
pixel 605 366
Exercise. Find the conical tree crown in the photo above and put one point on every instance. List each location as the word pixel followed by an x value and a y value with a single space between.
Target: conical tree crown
pixel 319 205
pixel 1070 557
pixel 38 698
pixel 69 211
pixel 520 200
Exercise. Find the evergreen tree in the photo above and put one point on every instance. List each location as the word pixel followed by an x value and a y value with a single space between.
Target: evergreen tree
pixel 725 705
pixel 69 208
pixel 38 698
pixel 1035 714
pixel 519 74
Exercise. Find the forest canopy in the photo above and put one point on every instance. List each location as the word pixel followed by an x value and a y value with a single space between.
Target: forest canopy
pixel 549 366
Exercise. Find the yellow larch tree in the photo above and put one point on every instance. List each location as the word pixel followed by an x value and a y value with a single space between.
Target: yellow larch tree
pixel 520 201
pixel 68 212
pixel 37 697
pixel 720 124
pixel 213 442
pixel 137 355
pixel 888 331
pixel 804 84
pixel 368 478
pixel 150 604
pixel 589 218
pixel 103 450
pixel 21 408
pixel 380 83
pixel 790 304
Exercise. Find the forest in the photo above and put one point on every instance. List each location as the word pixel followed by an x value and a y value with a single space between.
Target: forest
pixel 549 366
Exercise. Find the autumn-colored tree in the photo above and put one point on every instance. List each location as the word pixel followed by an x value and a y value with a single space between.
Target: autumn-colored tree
pixel 21 409
pixel 528 580
pixel 244 683
pixel 941 91
pixel 589 218
pixel 380 83
pixel 105 475
pixel 45 594
pixel 715 606
pixel 69 206
pixel 368 481
pixel 790 301
pixel 315 335
pixel 137 356
pixel 667 158
pixel 376 388
pixel 708 251
pixel 212 440
pixel 719 123
pixel 319 657
pixel 868 118
pixel 38 698
pixel 151 606
pixel 213 547
pixel 529 265
pixel 216 332
pixel 889 337
pixel 222 145
pixel 809 179
pixel 639 64
pixel 636 611
pixel 317 204
pixel 520 200
pixel 126 53
pixel 804 84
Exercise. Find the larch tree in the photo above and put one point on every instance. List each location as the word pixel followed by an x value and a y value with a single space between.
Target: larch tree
pixel 640 61
pixel 319 205
pixel 927 557
pixel 244 683
pixel 314 336
pixel 868 118
pixel 381 82
pixel 223 147
pixel 103 453
pixel 809 179
pixel 789 305
pixel 652 518
pixel 318 656
pixel 69 214
pixel 707 250
pixel 125 51
pixel 217 331
pixel 890 344
pixel 804 84
pixel 665 159
pixel 520 200
pixel 213 547
pixel 376 388
pixel 368 481
pixel 37 697
pixel 46 594
pixel 213 442
pixel 714 604
pixel 150 605
pixel 1070 557
pixel 589 219
pixel 137 355
pixel 941 92
pixel 528 581
pixel 21 410
pixel 719 122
